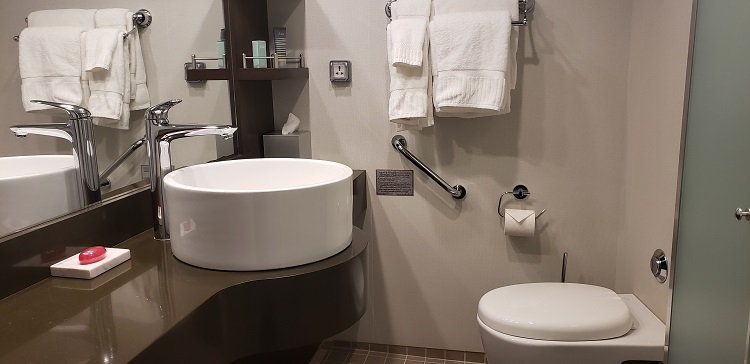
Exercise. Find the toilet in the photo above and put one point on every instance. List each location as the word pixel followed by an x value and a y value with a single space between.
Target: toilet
pixel 567 323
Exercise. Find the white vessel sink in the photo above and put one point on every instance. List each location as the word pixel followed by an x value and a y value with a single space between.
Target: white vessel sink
pixel 36 188
pixel 257 214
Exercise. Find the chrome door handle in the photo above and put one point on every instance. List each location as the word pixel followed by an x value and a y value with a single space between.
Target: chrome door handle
pixel 739 214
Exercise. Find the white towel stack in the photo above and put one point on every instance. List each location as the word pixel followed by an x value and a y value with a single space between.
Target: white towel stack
pixel 139 96
pixel 83 18
pixel 110 75
pixel 469 70
pixel 109 102
pixel 410 105
pixel 472 53
pixel 50 66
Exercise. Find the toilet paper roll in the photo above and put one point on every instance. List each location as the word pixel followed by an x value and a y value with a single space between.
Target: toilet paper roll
pixel 520 222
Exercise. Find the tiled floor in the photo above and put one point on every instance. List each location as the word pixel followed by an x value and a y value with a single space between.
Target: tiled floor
pixel 363 353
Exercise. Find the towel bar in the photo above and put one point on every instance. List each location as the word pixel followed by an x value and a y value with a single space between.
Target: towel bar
pixel 524 8
pixel 458 192
pixel 141 19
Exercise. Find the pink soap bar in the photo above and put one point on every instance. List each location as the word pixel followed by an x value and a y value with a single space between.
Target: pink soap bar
pixel 92 255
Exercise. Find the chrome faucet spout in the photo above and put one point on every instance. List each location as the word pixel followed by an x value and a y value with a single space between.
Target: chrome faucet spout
pixel 57 130
pixel 79 131
pixel 159 135
pixel 175 132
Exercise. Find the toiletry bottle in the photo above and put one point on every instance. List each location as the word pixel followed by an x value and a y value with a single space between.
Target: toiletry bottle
pixel 279 44
pixel 220 49
pixel 259 50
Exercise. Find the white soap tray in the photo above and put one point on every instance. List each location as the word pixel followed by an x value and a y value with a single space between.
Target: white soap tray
pixel 72 268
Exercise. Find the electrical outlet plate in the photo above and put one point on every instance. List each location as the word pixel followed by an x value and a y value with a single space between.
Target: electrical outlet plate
pixel 340 71
pixel 145 171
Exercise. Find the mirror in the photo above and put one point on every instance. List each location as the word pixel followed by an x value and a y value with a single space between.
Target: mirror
pixel 175 33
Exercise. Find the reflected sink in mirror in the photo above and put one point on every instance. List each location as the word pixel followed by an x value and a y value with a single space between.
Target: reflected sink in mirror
pixel 36 188
pixel 257 214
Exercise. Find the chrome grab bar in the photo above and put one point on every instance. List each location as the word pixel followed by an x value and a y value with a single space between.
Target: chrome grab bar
pixel 138 143
pixel 458 192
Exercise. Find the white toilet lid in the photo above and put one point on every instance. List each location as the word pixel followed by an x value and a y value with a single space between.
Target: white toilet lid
pixel 556 311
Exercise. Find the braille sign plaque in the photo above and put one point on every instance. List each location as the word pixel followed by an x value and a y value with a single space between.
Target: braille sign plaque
pixel 393 182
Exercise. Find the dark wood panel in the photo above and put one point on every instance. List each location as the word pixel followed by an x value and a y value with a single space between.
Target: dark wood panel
pixel 252 102
pixel 263 74
pixel 250 90
pixel 212 74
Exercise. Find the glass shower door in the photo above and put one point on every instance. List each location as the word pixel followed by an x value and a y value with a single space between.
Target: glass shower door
pixel 711 292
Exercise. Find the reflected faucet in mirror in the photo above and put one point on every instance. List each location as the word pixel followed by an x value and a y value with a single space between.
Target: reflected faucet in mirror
pixel 159 134
pixel 79 130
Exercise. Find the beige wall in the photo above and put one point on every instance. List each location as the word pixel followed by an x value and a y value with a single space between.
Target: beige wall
pixel 658 66
pixel 433 258
pixel 595 123
pixel 177 32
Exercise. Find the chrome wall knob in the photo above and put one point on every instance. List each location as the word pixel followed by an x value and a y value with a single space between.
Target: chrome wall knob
pixel 739 214
pixel 659 266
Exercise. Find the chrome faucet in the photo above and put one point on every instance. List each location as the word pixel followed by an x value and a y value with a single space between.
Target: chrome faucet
pixel 79 130
pixel 159 134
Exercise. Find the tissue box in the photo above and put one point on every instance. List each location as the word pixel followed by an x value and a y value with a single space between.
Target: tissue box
pixel 294 145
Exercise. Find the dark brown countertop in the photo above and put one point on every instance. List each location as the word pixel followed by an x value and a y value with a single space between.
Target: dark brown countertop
pixel 144 308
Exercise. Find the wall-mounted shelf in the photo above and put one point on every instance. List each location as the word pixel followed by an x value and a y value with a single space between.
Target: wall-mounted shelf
pixel 253 74
pixel 264 74
pixel 207 74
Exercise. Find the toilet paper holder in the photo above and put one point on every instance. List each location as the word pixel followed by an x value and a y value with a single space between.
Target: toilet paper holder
pixel 520 192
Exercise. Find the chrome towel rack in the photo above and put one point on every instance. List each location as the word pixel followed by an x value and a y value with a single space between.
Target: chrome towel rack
pixel 458 192
pixel 141 19
pixel 524 8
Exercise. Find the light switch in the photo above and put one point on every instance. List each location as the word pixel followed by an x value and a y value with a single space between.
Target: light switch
pixel 340 71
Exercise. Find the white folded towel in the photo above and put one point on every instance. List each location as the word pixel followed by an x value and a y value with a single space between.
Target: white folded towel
pixel 139 96
pixel 409 104
pixel 108 86
pixel 50 65
pixel 470 53
pixel 109 102
pixel 443 7
pixel 408 29
pixel 83 18
pixel 79 18
pixel 100 47
pixel 112 18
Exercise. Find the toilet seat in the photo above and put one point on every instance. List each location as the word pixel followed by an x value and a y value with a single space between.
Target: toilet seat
pixel 643 342
pixel 556 311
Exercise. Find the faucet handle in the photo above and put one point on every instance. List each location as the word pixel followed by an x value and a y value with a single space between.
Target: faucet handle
pixel 159 112
pixel 75 112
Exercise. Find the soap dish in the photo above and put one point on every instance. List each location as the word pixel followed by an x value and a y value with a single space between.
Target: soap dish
pixel 71 268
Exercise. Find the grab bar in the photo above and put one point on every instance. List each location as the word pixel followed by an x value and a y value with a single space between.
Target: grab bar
pixel 138 143
pixel 458 192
